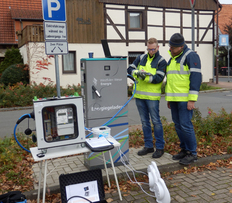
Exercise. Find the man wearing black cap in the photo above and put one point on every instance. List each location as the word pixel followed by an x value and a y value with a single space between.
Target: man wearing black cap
pixel 181 93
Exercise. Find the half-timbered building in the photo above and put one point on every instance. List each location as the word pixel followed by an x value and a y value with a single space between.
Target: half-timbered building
pixel 127 25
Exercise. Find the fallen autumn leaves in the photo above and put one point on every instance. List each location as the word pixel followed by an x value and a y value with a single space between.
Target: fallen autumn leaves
pixel 23 169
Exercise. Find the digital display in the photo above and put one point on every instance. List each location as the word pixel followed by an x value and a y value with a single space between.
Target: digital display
pixel 106 67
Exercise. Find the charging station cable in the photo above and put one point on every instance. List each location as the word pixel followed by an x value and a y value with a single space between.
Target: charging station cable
pixel 125 103
pixel 31 115
pixel 130 167
pixel 156 183
pixel 105 124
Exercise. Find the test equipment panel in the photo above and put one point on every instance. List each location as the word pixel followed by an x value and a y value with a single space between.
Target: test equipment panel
pixel 59 121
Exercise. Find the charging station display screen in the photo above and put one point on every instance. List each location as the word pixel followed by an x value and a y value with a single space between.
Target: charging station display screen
pixel 107 68
pixel 60 123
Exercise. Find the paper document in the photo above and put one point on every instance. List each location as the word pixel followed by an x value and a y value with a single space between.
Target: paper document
pixel 88 190
pixel 98 142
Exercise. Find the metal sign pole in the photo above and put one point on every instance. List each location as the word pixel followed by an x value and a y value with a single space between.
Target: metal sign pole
pixel 224 41
pixel 57 76
pixel 217 30
pixel 54 15
pixel 228 63
pixel 192 2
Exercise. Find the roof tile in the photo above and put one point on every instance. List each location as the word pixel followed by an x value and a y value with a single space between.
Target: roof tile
pixel 26 8
pixel 225 17
pixel 26 14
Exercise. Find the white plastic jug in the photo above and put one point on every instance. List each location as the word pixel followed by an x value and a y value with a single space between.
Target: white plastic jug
pixel 102 131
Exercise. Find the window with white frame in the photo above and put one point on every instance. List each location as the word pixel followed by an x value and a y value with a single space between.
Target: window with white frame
pixel 69 62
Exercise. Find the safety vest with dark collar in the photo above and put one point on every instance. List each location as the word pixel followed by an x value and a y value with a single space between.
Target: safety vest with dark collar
pixel 150 87
pixel 183 76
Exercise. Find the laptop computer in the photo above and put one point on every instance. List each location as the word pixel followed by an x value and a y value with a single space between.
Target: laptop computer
pixel 106 50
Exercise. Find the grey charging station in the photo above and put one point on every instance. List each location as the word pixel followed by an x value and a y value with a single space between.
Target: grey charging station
pixel 104 92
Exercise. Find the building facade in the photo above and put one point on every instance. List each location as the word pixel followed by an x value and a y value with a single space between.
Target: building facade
pixel 127 25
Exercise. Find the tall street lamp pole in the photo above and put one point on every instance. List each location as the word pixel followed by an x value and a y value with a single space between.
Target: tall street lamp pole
pixel 192 2
pixel 217 44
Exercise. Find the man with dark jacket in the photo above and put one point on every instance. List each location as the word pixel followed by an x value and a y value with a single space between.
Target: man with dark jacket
pixel 181 93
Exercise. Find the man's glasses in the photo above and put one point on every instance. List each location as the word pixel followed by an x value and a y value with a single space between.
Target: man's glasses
pixel 151 49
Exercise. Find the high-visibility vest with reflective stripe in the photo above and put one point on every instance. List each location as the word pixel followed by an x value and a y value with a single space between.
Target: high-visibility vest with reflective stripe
pixel 177 87
pixel 145 90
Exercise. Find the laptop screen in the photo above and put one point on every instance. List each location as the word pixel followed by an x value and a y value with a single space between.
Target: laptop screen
pixel 106 48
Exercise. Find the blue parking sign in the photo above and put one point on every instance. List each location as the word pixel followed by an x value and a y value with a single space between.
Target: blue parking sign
pixel 223 40
pixel 54 10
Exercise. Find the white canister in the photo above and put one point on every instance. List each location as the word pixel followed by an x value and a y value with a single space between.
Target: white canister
pixel 102 131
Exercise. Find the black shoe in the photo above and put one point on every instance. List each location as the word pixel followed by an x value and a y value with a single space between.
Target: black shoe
pixel 188 159
pixel 145 151
pixel 180 155
pixel 158 153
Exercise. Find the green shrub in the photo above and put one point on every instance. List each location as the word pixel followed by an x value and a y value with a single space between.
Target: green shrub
pixel 163 88
pixel 205 86
pixel 14 74
pixel 22 95
pixel 213 124
pixel 12 56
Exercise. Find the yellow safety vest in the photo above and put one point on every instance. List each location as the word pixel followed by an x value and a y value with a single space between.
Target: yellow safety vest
pixel 177 87
pixel 145 90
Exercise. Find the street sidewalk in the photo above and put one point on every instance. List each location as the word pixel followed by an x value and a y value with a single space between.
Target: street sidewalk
pixel 226 85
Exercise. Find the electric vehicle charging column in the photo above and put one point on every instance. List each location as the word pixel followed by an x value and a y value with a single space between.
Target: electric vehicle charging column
pixel 104 92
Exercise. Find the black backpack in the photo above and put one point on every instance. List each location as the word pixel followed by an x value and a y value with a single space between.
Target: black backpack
pixel 13 197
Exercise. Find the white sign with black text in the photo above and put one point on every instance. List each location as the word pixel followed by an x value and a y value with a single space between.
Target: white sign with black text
pixel 56 47
pixel 55 31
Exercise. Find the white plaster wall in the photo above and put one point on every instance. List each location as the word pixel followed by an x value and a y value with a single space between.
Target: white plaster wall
pixel 187 19
pixel 117 16
pixel 205 19
pixel 136 35
pixel 154 18
pixel 135 7
pixel 156 32
pixel 206 55
pixel 114 34
pixel 172 19
pixel 23 52
pixel 114 6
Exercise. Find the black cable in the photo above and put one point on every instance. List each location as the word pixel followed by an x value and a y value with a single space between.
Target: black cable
pixel 80 197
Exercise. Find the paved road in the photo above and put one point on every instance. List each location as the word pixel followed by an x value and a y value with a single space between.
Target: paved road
pixel 207 186
pixel 8 120
pixel 214 100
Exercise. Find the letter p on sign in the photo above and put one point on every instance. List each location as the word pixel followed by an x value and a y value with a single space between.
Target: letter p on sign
pixel 54 10
pixel 50 8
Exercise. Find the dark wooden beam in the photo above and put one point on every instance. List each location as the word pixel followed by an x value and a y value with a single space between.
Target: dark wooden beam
pixel 114 26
